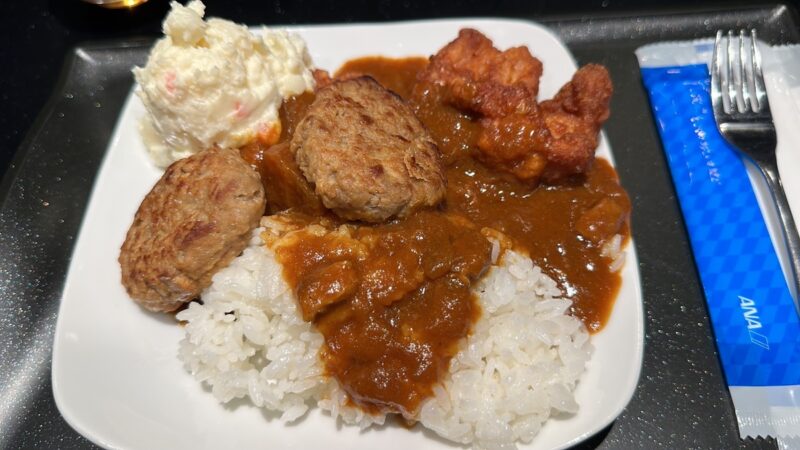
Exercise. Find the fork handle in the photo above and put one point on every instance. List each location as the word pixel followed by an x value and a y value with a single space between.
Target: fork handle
pixel 769 168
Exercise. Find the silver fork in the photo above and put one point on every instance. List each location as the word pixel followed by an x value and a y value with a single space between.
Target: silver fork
pixel 741 110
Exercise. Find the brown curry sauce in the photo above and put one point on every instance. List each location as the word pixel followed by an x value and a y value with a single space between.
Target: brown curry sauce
pixel 393 300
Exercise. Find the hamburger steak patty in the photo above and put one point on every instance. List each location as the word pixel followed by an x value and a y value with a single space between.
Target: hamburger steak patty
pixel 366 153
pixel 195 220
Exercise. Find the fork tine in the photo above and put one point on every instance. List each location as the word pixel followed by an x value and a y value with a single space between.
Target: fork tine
pixel 733 86
pixel 745 75
pixel 758 74
pixel 716 72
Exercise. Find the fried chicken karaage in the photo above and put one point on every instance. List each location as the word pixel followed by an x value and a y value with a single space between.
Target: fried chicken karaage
pixel 534 141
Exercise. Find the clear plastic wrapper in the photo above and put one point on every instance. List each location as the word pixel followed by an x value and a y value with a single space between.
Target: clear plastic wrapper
pixel 735 239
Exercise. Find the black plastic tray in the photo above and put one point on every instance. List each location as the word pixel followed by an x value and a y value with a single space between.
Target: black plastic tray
pixel 681 400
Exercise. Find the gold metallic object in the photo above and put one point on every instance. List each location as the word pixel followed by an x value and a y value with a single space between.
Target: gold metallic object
pixel 116 4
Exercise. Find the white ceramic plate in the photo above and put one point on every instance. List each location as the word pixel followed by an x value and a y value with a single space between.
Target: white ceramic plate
pixel 116 376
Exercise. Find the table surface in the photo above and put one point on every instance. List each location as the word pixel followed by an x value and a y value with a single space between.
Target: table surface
pixel 681 400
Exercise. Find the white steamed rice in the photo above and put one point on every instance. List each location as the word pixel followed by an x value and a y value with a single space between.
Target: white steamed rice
pixel 519 366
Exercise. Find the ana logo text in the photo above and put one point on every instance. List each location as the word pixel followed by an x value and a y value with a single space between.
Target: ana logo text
pixel 750 313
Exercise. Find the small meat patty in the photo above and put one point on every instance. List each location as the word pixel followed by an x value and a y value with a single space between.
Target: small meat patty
pixel 366 153
pixel 195 220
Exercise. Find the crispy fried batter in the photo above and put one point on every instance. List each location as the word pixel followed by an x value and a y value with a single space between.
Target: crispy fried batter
pixel 555 139
pixel 471 68
pixel 551 140
pixel 574 118
pixel 586 96
pixel 517 143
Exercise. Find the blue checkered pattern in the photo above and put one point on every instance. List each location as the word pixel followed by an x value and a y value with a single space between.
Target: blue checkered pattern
pixel 751 308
